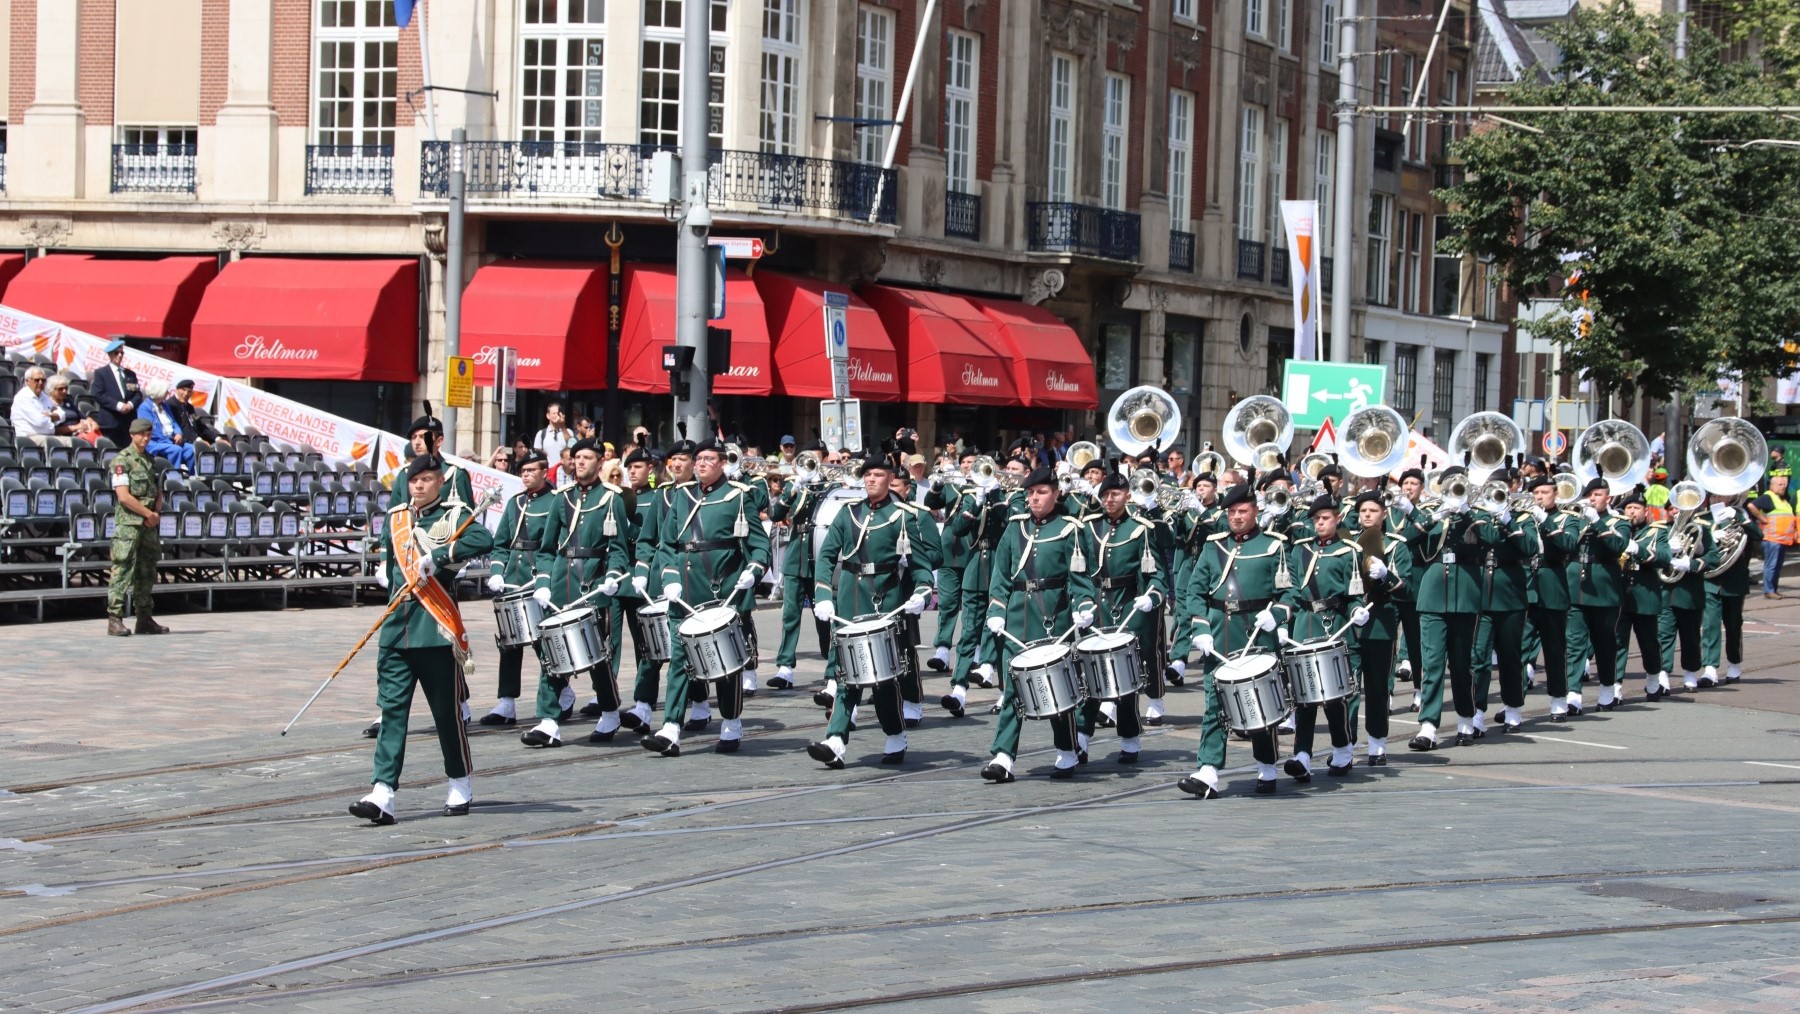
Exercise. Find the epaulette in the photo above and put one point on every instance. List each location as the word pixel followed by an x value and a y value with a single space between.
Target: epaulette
pixel 1277 536
pixel 739 484
pixel 1216 536
pixel 613 487
pixel 402 505
pixel 1019 517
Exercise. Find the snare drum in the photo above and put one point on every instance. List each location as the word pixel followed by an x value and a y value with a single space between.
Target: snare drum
pixel 1045 680
pixel 571 642
pixel 1110 665
pixel 868 651
pixel 1318 671
pixel 653 630
pixel 714 639
pixel 516 617
pixel 1252 691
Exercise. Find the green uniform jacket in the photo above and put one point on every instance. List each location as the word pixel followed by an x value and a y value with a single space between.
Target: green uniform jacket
pixel 1506 564
pixel 1042 575
pixel 1560 531
pixel 1451 554
pixel 1643 590
pixel 522 554
pixel 703 538
pixel 1228 570
pixel 1321 596
pixel 140 478
pixel 640 503
pixel 977 525
pixel 1594 578
pixel 410 625
pixel 795 506
pixel 589 534
pixel 866 566
pixel 1129 562
pixel 1735 583
pixel 457 488
pixel 1382 597
pixel 1690 591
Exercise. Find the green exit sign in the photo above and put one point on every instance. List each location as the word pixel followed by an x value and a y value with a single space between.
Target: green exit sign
pixel 1314 392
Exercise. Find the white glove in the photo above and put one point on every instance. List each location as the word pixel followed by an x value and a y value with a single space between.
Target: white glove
pixel 1145 500
pixel 1633 550
pixel 824 611
pixel 1722 512
pixel 1506 515
pixel 1084 619
pixel 1682 564
pixel 496 583
pixel 915 605
pixel 1145 603
pixel 1406 505
pixel 746 579
pixel 933 480
pixel 672 592
pixel 1265 620
pixel 1588 511
pixel 542 597
pixel 996 624
pixel 641 586
pixel 381 579
pixel 1538 513
pixel 1203 643
pixel 1359 617
pixel 426 568
pixel 1378 571
pixel 609 587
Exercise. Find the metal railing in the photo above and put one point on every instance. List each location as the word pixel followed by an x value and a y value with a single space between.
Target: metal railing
pixel 621 172
pixel 2 167
pixel 366 169
pixel 962 215
pixel 1064 227
pixel 1325 278
pixel 153 168
pixel 1278 266
pixel 1181 250
pixel 1250 259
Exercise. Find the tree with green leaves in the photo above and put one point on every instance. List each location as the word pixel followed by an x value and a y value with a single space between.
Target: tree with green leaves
pixel 1686 236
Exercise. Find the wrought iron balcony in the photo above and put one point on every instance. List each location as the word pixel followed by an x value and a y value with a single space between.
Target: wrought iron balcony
pixel 153 168
pixel 1250 259
pixel 366 169
pixel 2 168
pixel 1181 250
pixel 1064 227
pixel 1324 278
pixel 962 215
pixel 621 172
pixel 1278 266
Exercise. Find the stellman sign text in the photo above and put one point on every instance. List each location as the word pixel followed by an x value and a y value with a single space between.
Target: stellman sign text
pixel 490 354
pixel 255 346
pixel 973 377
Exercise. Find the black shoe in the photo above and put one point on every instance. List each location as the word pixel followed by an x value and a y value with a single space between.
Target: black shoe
pixel 1174 678
pixel 1499 717
pixel 934 665
pixel 1421 743
pixel 368 811
pixel 1265 788
pixel 949 703
pixel 780 683
pixel 1081 756
pixel 1154 721
pixel 1511 727
pixel 1378 761
pixel 996 774
pixel 994 708
pixel 591 709
pixel 1062 773
pixel 824 755
pixel 1706 684
pixel 1195 787
pixel 695 725
pixel 372 730
pixel 986 683
pixel 894 758
pixel 657 744
pixel 822 699
pixel 727 746
pixel 1464 739
pixel 1558 718
pixel 534 737
pixel 1610 707
pixel 1338 772
pixel 457 810
pixel 1101 721
pixel 496 719
pixel 1296 770
pixel 630 721
pixel 912 723
pixel 1126 757
pixel 565 715
pixel 602 737
pixel 1479 733
pixel 1653 696
pixel 1575 711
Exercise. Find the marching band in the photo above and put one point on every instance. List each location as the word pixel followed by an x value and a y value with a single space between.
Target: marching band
pixel 1090 590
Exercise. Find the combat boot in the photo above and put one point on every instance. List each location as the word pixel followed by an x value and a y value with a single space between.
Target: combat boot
pixel 115 627
pixel 147 625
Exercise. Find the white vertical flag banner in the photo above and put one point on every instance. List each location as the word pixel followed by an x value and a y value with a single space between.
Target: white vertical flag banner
pixel 1300 219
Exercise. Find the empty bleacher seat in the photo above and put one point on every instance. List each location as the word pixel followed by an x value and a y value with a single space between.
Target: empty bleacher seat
pixel 15 498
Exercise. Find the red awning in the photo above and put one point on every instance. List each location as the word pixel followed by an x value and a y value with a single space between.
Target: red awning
pixel 10 266
pixel 1051 366
pixel 947 347
pixel 554 314
pixel 650 324
pixel 303 319
pixel 107 297
pixel 796 308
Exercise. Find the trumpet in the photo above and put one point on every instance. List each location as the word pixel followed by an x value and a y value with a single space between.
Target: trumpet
pixel 1451 493
pixel 1145 482
pixel 987 472
pixel 1274 503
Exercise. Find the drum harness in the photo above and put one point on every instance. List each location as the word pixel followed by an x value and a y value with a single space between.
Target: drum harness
pixel 1034 585
pixel 526 498
pixel 576 498
pixel 691 546
pixel 1131 582
pixel 856 561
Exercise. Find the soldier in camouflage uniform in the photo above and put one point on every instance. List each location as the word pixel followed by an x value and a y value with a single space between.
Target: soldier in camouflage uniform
pixel 136 544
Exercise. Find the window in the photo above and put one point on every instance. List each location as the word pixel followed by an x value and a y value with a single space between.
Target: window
pixel 659 97
pixel 1181 343
pixel 1443 389
pixel 959 111
pixel 150 140
pixel 1253 18
pixel 1284 25
pixel 1415 125
pixel 1490 292
pixel 1371 352
pixel 1250 175
pixel 1325 186
pixel 1328 33
pixel 1412 278
pixel 1384 84
pixel 357 74
pixel 1281 349
pixel 561 70
pixel 1113 160
pixel 1406 379
pixel 1446 273
pixel 1062 127
pixel 1380 265
pixel 1484 363
pixel 874 81
pixel 1183 10
pixel 1118 354
pixel 1181 160
pixel 779 130
pixel 1278 149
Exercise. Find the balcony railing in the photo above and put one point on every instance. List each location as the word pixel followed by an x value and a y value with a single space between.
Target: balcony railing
pixel 962 215
pixel 1181 250
pixel 1250 259
pixel 1278 266
pixel 366 169
pixel 621 172
pixel 1063 227
pixel 153 168
pixel 2 168
pixel 1324 278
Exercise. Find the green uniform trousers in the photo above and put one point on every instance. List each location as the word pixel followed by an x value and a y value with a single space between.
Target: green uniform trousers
pixel 1681 627
pixel 950 606
pixel 1375 659
pixel 1410 649
pixel 135 550
pixel 1214 731
pixel 976 646
pixel 606 685
pixel 887 708
pixel 1725 611
pixel 1580 648
pixel 397 672
pixel 684 688
pixel 796 600
pixel 1447 641
pixel 1648 639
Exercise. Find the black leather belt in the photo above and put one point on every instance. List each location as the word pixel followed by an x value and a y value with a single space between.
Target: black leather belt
pixel 526 545
pixel 707 545
pixel 862 569
pixel 1041 584
pixel 1111 583
pixel 983 545
pixel 582 553
pixel 1328 604
pixel 1229 606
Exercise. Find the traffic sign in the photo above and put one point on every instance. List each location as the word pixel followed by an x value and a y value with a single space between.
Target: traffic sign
pixel 840 424
pixel 1555 443
pixel 738 248
pixel 506 380
pixel 840 378
pixel 1316 391
pixel 837 330
pixel 459 382
pixel 715 283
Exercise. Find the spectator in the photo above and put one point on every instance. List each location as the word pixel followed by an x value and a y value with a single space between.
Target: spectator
pixel 564 472
pixel 608 452
pixel 165 433
pixel 196 423
pixel 89 430
pixel 520 448
pixel 1774 511
pixel 116 394
pixel 612 471
pixel 788 452
pixel 555 435
pixel 58 389
pixel 1177 468
pixel 501 460
pixel 34 412
pixel 584 428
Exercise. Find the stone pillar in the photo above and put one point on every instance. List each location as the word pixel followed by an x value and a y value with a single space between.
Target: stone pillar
pixel 49 154
pixel 241 148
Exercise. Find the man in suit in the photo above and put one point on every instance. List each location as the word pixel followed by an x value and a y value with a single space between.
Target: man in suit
pixel 116 394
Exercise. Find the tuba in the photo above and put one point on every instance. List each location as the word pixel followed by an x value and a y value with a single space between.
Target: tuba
pixel 1143 417
pixel 1209 460
pixel 1614 450
pixel 1254 423
pixel 1313 464
pixel 1486 440
pixel 1685 536
pixel 1373 441
pixel 1728 456
pixel 1081 453
pixel 1568 489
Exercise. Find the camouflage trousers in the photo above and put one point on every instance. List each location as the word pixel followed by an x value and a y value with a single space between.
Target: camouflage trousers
pixel 135 550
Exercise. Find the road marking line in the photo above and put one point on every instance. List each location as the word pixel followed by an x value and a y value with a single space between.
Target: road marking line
pixel 1772 764
pixel 1577 742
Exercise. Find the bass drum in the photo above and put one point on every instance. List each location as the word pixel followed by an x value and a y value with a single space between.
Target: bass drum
pixel 830 502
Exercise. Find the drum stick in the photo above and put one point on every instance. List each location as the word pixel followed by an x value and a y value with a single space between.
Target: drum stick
pixel 590 594
pixel 1008 635
pixel 406 592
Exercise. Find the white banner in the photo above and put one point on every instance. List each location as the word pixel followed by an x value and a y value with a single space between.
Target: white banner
pixel 1300 220
pixel 1787 389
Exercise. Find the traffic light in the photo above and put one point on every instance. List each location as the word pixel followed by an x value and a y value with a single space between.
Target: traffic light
pixel 718 351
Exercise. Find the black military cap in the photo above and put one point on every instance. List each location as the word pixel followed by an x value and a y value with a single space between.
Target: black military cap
pixel 1236 494
pixel 426 422
pixel 681 447
pixel 1207 477
pixel 1113 481
pixel 1368 496
pixel 1540 480
pixel 874 460
pixel 584 444
pixel 1412 473
pixel 1322 502
pixel 1271 477
pixel 424 463
pixel 1040 477
pixel 637 456
pixel 1594 485
pixel 533 458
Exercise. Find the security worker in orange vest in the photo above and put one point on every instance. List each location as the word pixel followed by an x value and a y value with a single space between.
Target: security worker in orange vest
pixel 1774 513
